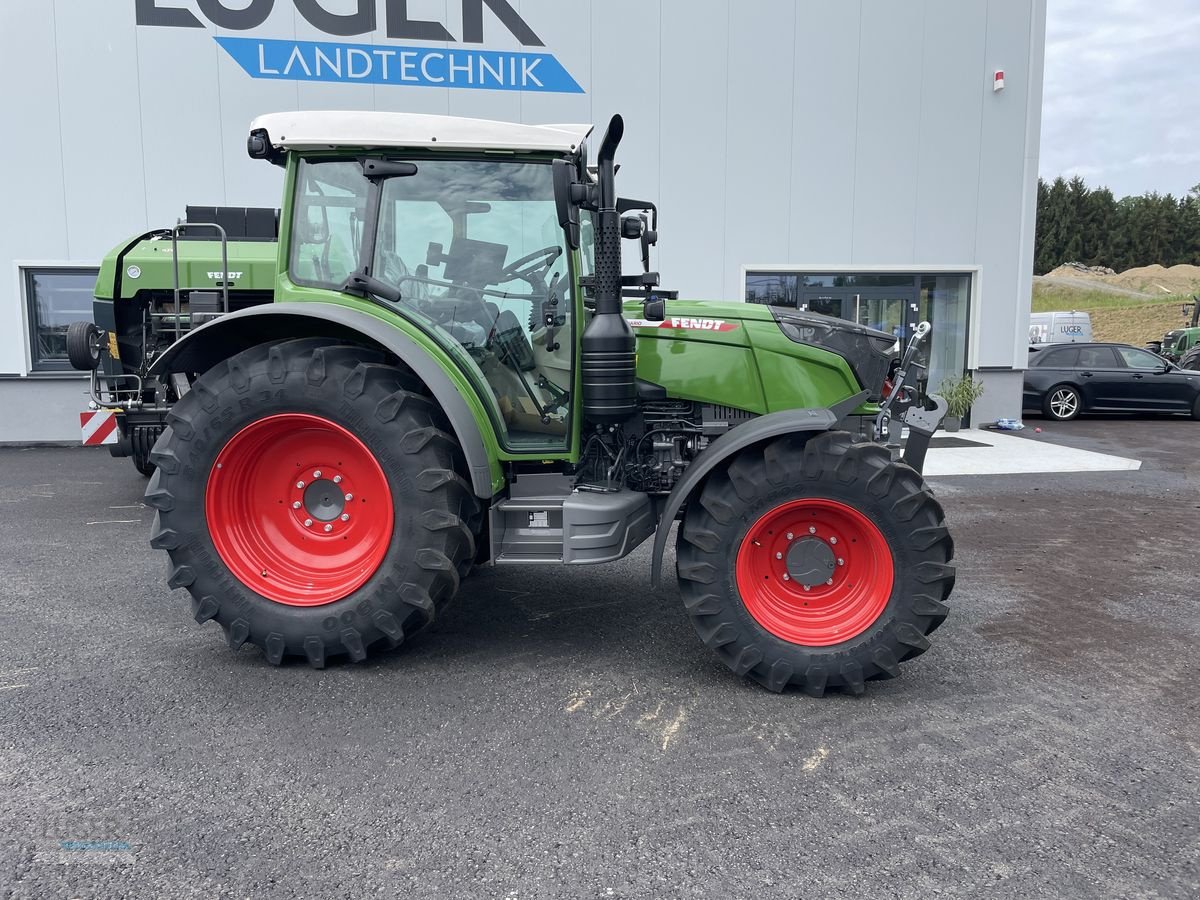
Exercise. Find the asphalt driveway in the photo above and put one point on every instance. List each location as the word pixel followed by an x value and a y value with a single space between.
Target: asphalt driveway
pixel 565 734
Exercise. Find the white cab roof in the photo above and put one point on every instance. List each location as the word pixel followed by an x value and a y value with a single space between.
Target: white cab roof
pixel 312 130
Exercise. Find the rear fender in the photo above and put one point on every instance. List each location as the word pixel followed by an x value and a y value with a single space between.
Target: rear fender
pixel 222 338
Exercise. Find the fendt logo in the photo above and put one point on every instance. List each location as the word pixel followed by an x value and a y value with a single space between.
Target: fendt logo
pixel 417 66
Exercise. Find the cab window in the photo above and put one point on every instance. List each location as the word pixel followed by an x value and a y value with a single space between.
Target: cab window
pixel 327 222
pixel 475 248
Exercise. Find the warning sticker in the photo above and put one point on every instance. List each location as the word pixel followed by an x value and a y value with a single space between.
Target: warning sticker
pixel 686 324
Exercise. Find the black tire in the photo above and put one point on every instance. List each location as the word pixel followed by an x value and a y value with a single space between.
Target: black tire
pixel 1063 402
pixel 383 407
pixel 141 442
pixel 1191 360
pixel 828 466
pixel 1196 409
pixel 143 464
pixel 83 346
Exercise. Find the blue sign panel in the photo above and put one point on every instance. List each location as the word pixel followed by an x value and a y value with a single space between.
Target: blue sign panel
pixel 388 64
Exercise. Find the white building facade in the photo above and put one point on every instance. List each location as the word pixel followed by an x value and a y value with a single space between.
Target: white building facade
pixel 872 159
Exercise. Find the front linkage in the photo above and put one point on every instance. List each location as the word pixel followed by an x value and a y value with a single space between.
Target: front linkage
pixel 922 421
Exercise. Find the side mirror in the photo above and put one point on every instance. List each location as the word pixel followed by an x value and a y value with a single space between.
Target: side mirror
pixel 568 211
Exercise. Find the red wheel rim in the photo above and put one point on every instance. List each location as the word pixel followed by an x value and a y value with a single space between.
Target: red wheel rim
pixel 299 509
pixel 783 562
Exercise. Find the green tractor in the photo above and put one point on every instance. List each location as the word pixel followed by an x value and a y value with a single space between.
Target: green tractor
pixel 1182 345
pixel 450 369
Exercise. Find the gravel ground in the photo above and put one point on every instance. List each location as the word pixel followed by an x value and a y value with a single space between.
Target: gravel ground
pixel 565 734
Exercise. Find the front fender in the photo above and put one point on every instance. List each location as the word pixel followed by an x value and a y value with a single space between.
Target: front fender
pixel 764 428
pixel 222 338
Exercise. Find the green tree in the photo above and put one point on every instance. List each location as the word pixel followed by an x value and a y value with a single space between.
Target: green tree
pixel 1079 224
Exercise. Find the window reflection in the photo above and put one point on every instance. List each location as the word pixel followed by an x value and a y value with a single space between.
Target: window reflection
pixel 893 303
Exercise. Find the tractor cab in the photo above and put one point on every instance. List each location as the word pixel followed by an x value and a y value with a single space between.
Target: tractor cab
pixel 467 248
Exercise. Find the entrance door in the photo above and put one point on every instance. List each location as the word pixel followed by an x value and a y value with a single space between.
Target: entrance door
pixel 893 310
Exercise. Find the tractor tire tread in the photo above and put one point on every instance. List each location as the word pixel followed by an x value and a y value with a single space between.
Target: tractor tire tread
pixel 395 604
pixel 735 496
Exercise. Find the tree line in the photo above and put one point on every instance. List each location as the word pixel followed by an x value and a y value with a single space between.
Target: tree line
pixel 1078 224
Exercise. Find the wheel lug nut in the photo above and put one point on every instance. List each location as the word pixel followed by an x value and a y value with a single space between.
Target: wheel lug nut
pixel 841 562
pixel 787 577
pixel 790 536
pixel 299 484
pixel 812 529
pixel 337 479
pixel 295 504
pixel 349 497
pixel 833 540
pixel 328 528
pixel 807 588
pixel 830 581
pixel 317 474
pixel 779 556
pixel 308 523
pixel 345 517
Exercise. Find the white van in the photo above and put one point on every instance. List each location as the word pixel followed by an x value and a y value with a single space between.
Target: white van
pixel 1060 328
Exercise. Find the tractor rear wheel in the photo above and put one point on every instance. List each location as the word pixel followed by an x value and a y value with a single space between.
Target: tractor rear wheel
pixel 820 563
pixel 310 500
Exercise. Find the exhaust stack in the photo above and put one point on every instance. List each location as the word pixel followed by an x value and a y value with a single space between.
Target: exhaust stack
pixel 609 348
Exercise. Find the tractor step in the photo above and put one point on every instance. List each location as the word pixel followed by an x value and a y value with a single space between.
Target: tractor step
pixel 541 524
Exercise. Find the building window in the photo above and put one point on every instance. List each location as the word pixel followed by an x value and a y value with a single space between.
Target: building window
pixel 895 303
pixel 55 298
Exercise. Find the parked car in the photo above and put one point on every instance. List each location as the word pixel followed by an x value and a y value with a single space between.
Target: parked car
pixel 1060 328
pixel 1064 380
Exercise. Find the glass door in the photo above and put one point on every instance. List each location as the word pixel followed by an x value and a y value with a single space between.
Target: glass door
pixel 894 310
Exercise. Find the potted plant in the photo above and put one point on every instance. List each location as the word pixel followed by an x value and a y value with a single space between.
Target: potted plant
pixel 959 394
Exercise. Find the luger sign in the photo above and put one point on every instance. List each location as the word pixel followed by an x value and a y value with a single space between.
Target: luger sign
pixel 376 63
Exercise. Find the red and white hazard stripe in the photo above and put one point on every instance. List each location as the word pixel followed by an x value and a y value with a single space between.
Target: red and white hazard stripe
pixel 99 427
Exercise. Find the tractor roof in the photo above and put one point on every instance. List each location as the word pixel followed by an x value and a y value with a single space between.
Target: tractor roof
pixel 313 130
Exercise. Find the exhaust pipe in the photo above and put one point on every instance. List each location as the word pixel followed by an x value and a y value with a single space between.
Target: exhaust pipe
pixel 609 348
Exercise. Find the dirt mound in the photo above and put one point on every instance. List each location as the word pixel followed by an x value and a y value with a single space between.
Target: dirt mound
pixel 1158 279
pixel 1183 280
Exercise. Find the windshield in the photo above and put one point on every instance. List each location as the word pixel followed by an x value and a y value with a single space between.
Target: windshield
pixel 477 253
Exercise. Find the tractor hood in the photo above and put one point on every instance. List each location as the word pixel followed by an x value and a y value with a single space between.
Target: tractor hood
pixel 748 344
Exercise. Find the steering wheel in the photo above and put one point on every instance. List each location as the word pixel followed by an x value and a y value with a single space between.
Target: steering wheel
pixel 525 266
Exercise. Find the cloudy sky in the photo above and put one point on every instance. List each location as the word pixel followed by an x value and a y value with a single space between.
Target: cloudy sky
pixel 1122 104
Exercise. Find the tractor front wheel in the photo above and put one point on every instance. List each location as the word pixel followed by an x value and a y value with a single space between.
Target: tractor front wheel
pixel 819 564
pixel 310 500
